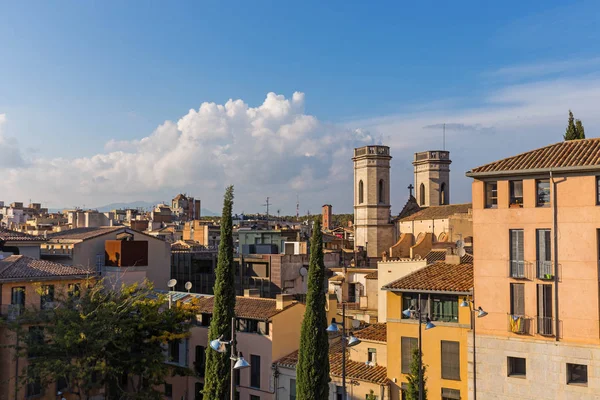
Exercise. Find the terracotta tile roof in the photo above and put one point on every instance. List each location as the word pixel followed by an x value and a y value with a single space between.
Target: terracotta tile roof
pixel 354 369
pixel 571 153
pixel 374 333
pixel 23 267
pixel 438 212
pixel 248 307
pixel 372 275
pixel 440 255
pixel 83 233
pixel 14 236
pixel 337 278
pixel 438 276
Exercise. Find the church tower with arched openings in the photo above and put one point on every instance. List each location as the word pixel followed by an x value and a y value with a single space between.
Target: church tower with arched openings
pixel 373 229
pixel 432 178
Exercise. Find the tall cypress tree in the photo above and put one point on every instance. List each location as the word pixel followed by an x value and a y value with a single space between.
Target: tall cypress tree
pixel 574 128
pixel 412 392
pixel 312 372
pixel 579 129
pixel 218 373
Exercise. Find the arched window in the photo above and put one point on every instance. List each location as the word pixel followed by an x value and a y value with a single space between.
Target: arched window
pixel 361 197
pixel 381 194
pixel 443 194
pixel 422 194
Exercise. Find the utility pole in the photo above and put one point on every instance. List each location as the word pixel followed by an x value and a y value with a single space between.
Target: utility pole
pixel 267 204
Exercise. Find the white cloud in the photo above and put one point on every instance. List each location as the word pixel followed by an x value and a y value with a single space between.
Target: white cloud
pixel 10 154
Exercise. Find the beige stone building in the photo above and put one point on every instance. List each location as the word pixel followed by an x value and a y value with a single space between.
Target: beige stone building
pixel 536 221
pixel 432 177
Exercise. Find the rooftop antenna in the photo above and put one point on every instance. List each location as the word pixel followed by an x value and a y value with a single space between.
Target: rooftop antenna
pixel 267 204
pixel 297 206
pixel 444 137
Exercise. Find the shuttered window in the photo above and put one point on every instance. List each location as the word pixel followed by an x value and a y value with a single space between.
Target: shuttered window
pixel 450 394
pixel 450 360
pixel 255 371
pixel 408 345
pixel 517 248
pixel 517 299
pixel 544 252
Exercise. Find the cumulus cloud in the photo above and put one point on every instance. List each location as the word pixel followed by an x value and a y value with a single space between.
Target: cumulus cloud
pixel 273 145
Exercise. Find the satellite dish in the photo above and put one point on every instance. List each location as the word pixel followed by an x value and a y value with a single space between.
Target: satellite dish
pixel 172 283
pixel 303 271
pixel 188 285
pixel 461 251
pixel 355 323
pixel 460 243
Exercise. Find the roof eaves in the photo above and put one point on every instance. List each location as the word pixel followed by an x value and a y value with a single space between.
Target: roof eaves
pixel 457 292
pixel 532 171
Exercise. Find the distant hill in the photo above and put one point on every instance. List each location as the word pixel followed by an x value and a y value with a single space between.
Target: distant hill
pixel 135 204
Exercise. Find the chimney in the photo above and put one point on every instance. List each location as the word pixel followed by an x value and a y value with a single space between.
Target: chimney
pixel 452 257
pixel 251 293
pixel 283 300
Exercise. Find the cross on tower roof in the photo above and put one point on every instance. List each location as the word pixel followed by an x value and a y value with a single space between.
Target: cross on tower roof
pixel 410 189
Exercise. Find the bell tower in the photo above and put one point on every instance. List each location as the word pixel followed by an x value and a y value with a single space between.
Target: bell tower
pixel 372 227
pixel 432 178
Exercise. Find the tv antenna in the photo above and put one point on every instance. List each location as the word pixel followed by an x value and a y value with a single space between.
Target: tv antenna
pixel 267 204
pixel 444 136
pixel 297 207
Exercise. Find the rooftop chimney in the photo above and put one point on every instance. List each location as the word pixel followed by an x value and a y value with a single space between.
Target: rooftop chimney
pixel 251 293
pixel 452 257
pixel 283 300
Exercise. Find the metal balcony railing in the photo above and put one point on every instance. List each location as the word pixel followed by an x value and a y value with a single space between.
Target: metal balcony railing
pixel 545 270
pixel 519 269
pixel 56 252
pixel 519 324
pixel 545 325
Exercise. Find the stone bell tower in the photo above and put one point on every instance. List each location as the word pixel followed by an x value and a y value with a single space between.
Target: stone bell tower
pixel 432 178
pixel 372 227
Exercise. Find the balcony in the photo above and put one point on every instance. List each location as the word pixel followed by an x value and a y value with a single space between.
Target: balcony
pixel 519 269
pixel 12 311
pixel 545 325
pixel 545 270
pixel 519 324
pixel 56 252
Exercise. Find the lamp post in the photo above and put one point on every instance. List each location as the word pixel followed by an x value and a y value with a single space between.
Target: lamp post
pixel 428 325
pixel 237 361
pixel 480 314
pixel 352 341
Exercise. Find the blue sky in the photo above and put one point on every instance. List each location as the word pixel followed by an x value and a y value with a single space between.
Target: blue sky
pixel 83 83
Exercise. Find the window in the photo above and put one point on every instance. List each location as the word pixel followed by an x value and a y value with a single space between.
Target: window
pixel 47 297
pixel 542 192
pixel 408 345
pixel 73 290
pixel 516 193
pixel 34 339
pixel 422 194
pixel 255 371
pixel 361 195
pixel 292 389
pixel 168 390
pixel 598 190
pixel 544 254
pixel 61 384
pixel 380 192
pixel 444 308
pixel 491 195
pixel 517 367
pixel 517 299
pixel 517 254
pixel 450 360
pixel 450 394
pixel 17 296
pixel 577 374
pixel 174 351
pixel 443 196
pixel 372 355
pixel 198 388
pixel 339 392
pixel 253 326
pixel 200 361
pixel 34 387
pixel 254 397
pixel 237 376
pixel 206 319
pixel 544 310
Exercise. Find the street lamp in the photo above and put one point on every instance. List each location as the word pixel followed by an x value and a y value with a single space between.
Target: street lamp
pixel 237 361
pixel 346 341
pixel 428 325
pixel 480 314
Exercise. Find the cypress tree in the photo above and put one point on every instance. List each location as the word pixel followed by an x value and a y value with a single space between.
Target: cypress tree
pixel 412 393
pixel 218 373
pixel 579 129
pixel 312 372
pixel 571 131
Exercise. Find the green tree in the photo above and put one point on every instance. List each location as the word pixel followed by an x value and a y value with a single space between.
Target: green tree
pixel 371 395
pixel 94 338
pixel 412 393
pixel 312 372
pixel 574 129
pixel 218 371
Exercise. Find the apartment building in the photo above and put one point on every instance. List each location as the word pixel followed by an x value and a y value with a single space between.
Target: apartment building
pixel 536 221
pixel 437 290
pixel 27 283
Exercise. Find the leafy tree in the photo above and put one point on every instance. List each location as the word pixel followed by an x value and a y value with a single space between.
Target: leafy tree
pixel 574 129
pixel 312 371
pixel 412 393
pixel 218 370
pixel 94 338
pixel 371 395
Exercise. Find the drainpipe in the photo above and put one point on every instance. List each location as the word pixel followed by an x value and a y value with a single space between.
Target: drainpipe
pixel 555 245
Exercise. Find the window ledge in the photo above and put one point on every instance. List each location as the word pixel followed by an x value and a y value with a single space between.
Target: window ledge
pixel 579 384
pixel 518 376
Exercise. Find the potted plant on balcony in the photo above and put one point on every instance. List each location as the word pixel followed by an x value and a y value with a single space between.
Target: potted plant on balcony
pixel 548 276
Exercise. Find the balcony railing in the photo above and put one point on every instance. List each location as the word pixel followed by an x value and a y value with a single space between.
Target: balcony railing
pixel 12 311
pixel 545 270
pixel 545 326
pixel 519 269
pixel 56 252
pixel 519 324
